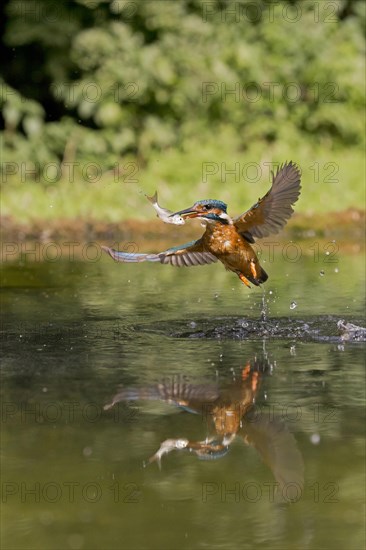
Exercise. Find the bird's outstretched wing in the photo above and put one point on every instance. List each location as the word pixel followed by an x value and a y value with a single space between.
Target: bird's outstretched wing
pixel 186 255
pixel 278 449
pixel 271 212
pixel 176 390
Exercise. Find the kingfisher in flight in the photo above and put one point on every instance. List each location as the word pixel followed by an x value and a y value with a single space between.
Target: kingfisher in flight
pixel 229 240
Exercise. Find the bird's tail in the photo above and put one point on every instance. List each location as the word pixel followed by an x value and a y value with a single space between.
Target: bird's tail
pixel 130 257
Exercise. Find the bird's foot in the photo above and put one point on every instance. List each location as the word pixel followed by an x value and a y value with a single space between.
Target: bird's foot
pixel 253 269
pixel 254 381
pixel 244 279
pixel 246 371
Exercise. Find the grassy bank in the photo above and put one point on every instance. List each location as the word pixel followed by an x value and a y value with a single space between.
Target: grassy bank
pixel 331 181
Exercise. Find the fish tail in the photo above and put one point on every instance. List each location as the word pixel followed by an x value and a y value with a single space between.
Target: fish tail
pixel 153 199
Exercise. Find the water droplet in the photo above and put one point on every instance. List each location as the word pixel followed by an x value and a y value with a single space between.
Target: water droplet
pixel 336 270
pixel 46 518
pixel 216 296
pixel 322 273
pixel 270 292
pixel 76 541
pixel 315 439
pixel 192 324
pixel 293 305
pixel 87 451
pixel 327 253
pixel 51 205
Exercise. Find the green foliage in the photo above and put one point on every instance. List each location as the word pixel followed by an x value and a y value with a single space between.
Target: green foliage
pixel 161 79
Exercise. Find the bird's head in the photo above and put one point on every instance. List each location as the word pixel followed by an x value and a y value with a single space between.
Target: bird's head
pixel 210 210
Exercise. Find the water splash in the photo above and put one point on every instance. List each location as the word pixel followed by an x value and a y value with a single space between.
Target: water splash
pixel 264 308
pixel 323 328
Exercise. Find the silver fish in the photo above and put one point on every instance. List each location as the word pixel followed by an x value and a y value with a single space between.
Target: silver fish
pixel 166 447
pixel 164 213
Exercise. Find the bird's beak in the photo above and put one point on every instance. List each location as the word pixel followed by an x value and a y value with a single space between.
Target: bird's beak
pixel 187 213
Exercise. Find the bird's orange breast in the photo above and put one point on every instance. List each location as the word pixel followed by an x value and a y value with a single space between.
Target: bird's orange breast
pixel 224 240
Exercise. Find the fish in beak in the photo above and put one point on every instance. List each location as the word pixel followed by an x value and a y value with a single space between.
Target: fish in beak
pixel 187 213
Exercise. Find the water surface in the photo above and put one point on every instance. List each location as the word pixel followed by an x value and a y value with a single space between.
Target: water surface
pixel 75 333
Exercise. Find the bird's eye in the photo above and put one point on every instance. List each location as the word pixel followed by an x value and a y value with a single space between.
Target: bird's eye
pixel 208 206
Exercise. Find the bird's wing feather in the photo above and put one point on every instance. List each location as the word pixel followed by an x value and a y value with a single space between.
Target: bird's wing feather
pixel 186 255
pixel 174 390
pixel 278 449
pixel 271 212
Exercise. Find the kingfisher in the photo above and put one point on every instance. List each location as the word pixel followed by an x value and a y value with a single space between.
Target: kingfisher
pixel 223 408
pixel 229 240
pixel 232 414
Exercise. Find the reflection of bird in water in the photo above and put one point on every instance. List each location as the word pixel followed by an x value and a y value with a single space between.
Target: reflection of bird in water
pixel 231 412
pixel 229 239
